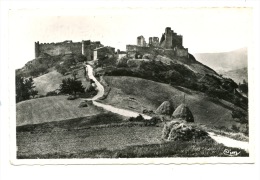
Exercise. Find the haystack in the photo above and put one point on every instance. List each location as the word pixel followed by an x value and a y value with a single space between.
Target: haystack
pixel 181 131
pixel 183 112
pixel 165 108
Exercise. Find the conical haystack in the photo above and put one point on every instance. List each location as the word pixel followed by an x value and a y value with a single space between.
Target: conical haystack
pixel 165 108
pixel 183 112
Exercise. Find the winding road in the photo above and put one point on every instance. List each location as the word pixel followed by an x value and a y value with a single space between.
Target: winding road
pixel 218 138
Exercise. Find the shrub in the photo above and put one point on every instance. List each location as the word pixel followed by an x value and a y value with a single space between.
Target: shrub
pixel 153 121
pixel 139 118
pixel 71 97
pixel 61 69
pixel 71 86
pixel 52 93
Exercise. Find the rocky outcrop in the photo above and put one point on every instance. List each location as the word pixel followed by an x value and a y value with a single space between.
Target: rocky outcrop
pixel 165 108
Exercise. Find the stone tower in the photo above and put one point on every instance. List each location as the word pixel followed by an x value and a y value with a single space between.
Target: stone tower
pixel 37 49
pixel 153 41
pixel 141 41
pixel 168 38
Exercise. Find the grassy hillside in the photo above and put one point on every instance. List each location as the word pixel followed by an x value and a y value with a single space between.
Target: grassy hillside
pixel 106 135
pixel 52 80
pixel 76 135
pixel 191 63
pixel 54 108
pixel 48 82
pixel 225 61
pixel 138 94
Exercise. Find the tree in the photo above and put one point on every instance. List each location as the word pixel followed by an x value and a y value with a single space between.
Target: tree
pixel 24 88
pixel 71 86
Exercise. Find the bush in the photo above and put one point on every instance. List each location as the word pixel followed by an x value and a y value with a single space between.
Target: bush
pixel 71 86
pixel 52 93
pixel 90 88
pixel 153 121
pixel 122 62
pixel 61 69
pixel 71 97
pixel 139 118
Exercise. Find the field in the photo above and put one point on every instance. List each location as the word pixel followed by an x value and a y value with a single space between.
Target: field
pixel 105 135
pixel 53 108
pixel 138 94
pixel 52 80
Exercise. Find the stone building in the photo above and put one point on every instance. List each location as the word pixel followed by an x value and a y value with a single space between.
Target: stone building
pixel 103 52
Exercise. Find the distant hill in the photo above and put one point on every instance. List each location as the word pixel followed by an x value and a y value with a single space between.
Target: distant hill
pixel 224 61
pixel 237 75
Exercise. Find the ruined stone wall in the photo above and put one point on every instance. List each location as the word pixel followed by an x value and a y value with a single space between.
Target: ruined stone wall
pixel 181 52
pixel 103 52
pixel 37 49
pixel 55 49
pixel 67 47
pixel 170 39
pixel 132 50
pixel 176 40
pixel 154 41
pixel 88 49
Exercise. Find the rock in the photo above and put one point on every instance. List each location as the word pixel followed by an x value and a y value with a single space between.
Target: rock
pixel 165 108
pixel 183 112
pixel 83 104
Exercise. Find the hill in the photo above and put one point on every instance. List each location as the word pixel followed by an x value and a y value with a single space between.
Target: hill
pixel 224 61
pixel 138 94
pixel 237 75
pixel 52 80
pixel 47 109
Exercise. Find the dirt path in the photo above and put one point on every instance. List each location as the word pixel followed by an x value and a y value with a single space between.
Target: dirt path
pixel 220 139
pixel 99 86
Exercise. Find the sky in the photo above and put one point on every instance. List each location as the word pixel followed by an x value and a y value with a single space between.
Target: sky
pixel 204 30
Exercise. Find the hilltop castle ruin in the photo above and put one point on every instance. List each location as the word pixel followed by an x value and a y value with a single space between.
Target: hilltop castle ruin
pixel 170 41
pixel 85 48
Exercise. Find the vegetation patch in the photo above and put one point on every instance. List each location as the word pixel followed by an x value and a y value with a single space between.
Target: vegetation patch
pixel 159 150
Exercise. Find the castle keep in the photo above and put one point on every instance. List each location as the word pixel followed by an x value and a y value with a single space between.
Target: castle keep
pixel 85 48
pixel 170 41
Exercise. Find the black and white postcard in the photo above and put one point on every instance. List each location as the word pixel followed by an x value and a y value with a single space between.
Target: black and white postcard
pixel 122 85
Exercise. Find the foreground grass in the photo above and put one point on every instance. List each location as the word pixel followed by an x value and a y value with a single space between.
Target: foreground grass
pixel 106 135
pixel 166 149
pixel 73 124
